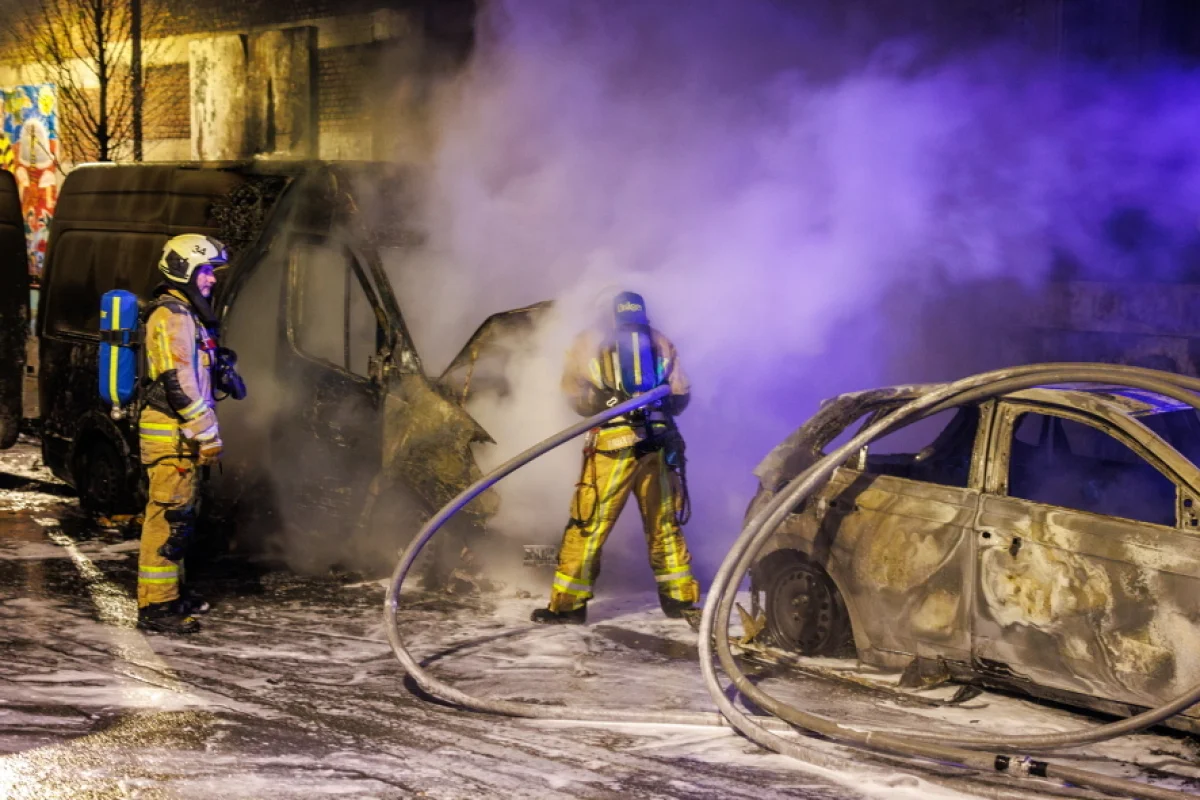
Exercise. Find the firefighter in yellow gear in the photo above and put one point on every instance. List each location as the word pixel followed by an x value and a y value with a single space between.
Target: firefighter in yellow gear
pixel 177 428
pixel 639 453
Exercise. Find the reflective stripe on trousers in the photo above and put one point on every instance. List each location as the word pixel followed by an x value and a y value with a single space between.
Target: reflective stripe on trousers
pixel 173 485
pixel 158 575
pixel 573 586
pixel 608 480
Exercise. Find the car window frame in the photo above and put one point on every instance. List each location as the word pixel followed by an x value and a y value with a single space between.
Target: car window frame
pixel 1121 428
pixel 355 269
pixel 857 462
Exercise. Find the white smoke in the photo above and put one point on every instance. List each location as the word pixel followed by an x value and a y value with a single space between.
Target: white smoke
pixel 796 233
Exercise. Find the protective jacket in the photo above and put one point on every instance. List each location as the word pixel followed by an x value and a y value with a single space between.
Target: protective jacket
pixel 179 359
pixel 592 382
pixel 639 454
pixel 176 418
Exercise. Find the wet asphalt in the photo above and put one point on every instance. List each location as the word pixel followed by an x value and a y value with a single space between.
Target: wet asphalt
pixel 291 689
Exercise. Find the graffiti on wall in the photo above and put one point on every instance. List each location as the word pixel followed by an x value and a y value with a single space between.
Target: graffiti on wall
pixel 29 150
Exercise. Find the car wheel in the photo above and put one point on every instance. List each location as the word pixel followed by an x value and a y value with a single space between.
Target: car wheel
pixel 804 611
pixel 101 479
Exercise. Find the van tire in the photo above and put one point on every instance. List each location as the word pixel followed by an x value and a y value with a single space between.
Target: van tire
pixel 101 478
pixel 805 612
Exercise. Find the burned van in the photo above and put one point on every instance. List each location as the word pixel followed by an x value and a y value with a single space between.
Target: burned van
pixel 14 309
pixel 340 413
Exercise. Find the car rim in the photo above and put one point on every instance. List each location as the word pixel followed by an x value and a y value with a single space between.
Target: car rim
pixel 802 610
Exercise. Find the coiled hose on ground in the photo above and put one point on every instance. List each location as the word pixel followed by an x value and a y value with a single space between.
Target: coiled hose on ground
pixel 961 751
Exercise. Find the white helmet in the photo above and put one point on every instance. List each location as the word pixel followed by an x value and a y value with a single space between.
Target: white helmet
pixel 185 254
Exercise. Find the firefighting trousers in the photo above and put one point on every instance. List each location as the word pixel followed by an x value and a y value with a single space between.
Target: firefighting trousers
pixel 608 478
pixel 173 492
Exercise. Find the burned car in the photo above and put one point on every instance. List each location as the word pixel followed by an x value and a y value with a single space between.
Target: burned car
pixel 1047 540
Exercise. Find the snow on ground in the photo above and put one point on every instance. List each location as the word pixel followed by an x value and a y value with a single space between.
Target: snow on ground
pixel 292 691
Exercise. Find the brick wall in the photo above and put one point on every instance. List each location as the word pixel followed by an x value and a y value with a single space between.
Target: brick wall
pixel 1145 324
pixel 76 148
pixel 167 110
pixel 167 113
pixel 442 18
pixel 343 82
pixel 186 17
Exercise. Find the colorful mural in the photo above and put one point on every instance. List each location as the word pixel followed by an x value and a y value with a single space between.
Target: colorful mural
pixel 29 150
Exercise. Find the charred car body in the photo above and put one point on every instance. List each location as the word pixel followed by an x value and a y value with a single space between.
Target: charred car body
pixel 340 411
pixel 1047 540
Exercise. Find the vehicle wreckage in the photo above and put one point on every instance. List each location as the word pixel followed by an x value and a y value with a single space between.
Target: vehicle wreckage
pixel 343 431
pixel 1045 540
pixel 1118 401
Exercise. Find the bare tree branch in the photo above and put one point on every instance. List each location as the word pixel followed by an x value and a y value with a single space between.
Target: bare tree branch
pixel 84 47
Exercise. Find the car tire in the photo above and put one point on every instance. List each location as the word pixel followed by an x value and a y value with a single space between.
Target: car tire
pixel 805 613
pixel 102 479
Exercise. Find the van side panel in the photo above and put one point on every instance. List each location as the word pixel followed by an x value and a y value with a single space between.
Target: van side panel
pixel 14 308
pixel 108 231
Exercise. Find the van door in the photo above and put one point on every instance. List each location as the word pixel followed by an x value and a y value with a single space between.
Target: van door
pixel 330 446
pixel 14 308
pixel 1086 574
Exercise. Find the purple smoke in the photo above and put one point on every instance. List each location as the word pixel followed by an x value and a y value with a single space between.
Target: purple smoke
pixel 802 220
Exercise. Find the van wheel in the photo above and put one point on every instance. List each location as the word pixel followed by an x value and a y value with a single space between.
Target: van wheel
pixel 101 479
pixel 804 612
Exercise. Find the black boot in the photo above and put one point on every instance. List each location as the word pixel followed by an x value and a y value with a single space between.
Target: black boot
pixel 166 618
pixel 676 609
pixel 544 616
pixel 191 603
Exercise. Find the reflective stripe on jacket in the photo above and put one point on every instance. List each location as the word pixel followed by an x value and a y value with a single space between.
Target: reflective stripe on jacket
pixel 172 342
pixel 592 364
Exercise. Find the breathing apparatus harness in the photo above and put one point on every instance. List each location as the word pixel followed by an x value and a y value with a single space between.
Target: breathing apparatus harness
pixel 223 367
pixel 183 258
pixel 637 368
pixel 123 384
pixel 225 378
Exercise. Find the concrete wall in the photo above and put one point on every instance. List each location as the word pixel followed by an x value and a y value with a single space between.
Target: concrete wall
pixel 1154 325
pixel 310 90
pixel 217 76
pixel 280 103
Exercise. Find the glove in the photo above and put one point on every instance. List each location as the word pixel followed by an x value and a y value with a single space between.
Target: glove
pixel 225 374
pixel 210 450
pixel 593 400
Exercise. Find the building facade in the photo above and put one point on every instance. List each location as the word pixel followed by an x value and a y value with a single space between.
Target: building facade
pixel 312 78
pixel 232 79
pixel 353 79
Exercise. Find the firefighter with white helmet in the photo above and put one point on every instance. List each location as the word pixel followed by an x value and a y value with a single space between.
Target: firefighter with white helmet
pixel 177 427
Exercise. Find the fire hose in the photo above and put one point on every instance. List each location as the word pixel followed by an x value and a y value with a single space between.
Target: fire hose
pixel 990 755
